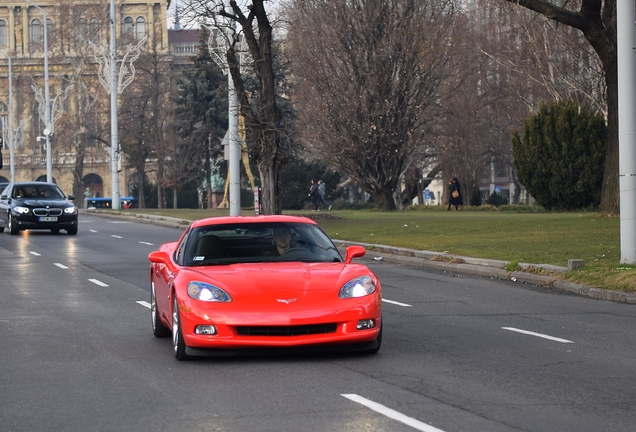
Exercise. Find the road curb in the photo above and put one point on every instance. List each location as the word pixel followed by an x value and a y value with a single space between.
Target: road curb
pixel 423 258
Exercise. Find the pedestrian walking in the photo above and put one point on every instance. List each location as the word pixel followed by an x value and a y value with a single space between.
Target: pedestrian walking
pixel 314 195
pixel 321 195
pixel 454 194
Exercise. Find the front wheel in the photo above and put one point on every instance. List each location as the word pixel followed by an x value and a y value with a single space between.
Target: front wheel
pixel 71 231
pixel 13 227
pixel 177 336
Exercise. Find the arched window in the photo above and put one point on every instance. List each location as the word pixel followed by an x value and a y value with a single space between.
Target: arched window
pixel 3 33
pixel 93 29
pixel 141 28
pixel 81 29
pixel 36 31
pixel 129 25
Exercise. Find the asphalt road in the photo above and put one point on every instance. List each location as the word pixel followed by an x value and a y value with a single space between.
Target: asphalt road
pixel 77 353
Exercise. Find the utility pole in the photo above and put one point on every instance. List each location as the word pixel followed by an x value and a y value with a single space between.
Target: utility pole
pixel 10 134
pixel 627 128
pixel 114 134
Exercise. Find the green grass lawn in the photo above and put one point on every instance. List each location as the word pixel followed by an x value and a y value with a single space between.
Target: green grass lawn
pixel 539 238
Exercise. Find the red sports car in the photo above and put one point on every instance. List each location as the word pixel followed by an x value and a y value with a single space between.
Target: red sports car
pixel 235 284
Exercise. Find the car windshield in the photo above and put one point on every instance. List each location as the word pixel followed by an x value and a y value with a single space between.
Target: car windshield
pixel 254 242
pixel 37 192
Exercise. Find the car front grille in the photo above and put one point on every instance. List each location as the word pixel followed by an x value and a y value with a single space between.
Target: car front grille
pixel 286 330
pixel 47 212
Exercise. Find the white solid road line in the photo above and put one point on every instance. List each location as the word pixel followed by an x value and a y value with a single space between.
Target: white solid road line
pixel 144 303
pixel 409 421
pixel 544 336
pixel 98 282
pixel 35 253
pixel 396 303
pixel 62 266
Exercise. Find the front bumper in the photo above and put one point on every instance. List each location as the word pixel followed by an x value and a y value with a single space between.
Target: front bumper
pixel 340 324
pixel 31 221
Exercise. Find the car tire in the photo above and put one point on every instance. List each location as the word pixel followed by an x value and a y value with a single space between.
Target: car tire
pixel 13 228
pixel 177 335
pixel 378 343
pixel 158 329
pixel 1 229
pixel 71 231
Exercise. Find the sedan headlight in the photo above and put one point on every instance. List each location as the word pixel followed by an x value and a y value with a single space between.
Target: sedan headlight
pixel 21 210
pixel 207 292
pixel 358 287
pixel 70 210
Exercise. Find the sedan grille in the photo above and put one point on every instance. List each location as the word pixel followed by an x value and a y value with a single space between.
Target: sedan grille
pixel 47 212
pixel 286 330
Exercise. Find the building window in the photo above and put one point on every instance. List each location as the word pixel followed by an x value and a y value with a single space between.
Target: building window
pixel 81 29
pixel 3 33
pixel 36 31
pixel 141 28
pixel 129 25
pixel 93 29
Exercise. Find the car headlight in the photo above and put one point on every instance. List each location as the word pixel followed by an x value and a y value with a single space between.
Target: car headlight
pixel 21 210
pixel 70 210
pixel 358 287
pixel 207 292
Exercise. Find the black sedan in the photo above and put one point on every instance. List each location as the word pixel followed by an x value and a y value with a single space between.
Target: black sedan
pixel 37 205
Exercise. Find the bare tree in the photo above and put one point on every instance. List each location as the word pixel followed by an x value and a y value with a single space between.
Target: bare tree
pixel 258 104
pixel 367 80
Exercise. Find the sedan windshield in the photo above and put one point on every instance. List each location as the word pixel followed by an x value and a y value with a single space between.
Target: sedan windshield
pixel 37 192
pixel 266 242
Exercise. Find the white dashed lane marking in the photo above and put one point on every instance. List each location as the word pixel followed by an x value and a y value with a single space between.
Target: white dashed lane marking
pixel 144 303
pixel 62 266
pixel 544 336
pixel 35 253
pixel 146 243
pixel 116 236
pixel 390 413
pixel 98 282
pixel 396 303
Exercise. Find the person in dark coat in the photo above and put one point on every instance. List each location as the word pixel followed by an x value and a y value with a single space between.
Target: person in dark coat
pixel 454 194
pixel 314 195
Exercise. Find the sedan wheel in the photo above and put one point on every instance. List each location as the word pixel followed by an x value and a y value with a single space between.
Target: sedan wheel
pixel 177 335
pixel 13 228
pixel 71 231
pixel 158 329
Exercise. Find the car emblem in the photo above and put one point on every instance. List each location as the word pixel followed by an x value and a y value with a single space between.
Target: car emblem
pixel 286 301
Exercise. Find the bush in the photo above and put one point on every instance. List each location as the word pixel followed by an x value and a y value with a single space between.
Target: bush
pixel 560 157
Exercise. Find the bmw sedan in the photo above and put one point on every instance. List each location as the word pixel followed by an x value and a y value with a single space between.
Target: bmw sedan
pixel 37 205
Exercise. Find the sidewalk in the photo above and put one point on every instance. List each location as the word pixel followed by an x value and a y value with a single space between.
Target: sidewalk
pixel 428 259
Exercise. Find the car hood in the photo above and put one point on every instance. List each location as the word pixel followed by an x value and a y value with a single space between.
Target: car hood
pixel 258 282
pixel 45 203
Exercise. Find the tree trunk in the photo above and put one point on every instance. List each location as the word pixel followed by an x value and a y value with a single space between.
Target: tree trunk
pixel 610 190
pixel 383 200
pixel 270 196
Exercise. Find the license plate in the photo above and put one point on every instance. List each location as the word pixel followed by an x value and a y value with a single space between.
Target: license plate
pixel 47 218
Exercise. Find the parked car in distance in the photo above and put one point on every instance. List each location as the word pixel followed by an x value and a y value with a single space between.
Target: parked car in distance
pixel 37 206
pixel 277 283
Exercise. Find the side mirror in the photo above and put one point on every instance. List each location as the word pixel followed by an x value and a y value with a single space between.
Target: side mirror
pixel 354 252
pixel 161 257
pixel 3 197
pixel 71 197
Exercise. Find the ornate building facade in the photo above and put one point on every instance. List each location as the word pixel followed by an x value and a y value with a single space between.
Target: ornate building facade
pixel 80 105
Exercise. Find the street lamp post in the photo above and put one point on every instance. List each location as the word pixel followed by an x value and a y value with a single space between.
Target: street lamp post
pixel 10 134
pixel 114 134
pixel 47 97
